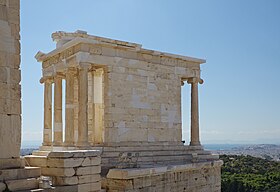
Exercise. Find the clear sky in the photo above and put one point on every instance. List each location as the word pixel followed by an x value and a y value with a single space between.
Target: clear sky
pixel 240 98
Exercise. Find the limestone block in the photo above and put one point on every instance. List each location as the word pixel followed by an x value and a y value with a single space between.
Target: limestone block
pixel 7 42
pixel 68 162
pixel 58 181
pixel 66 188
pixel 13 4
pixel 15 76
pixel 9 60
pixel 77 153
pixel 89 187
pixel 135 172
pixel 36 161
pixel 3 60
pixel 119 185
pixel 88 170
pixel 90 161
pixel 13 14
pixel 10 91
pixel 89 178
pixel 20 173
pixel 10 163
pixel 23 184
pixel 2 2
pixel 4 71
pixel 10 135
pixel 142 182
pixel 2 186
pixel 10 107
pixel 3 12
pixel 106 51
pixel 49 171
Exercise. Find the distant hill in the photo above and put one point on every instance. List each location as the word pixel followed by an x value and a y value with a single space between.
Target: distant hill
pixel 264 151
pixel 249 174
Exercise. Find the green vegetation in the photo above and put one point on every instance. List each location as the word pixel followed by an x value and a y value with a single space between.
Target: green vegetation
pixel 249 174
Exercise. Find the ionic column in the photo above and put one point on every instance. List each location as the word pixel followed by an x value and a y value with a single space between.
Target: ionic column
pixel 69 107
pixel 57 110
pixel 83 106
pixel 92 107
pixel 47 132
pixel 194 111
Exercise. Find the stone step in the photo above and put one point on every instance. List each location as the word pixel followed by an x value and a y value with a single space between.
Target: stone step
pixel 11 163
pixel 14 174
pixel 23 184
pixel 36 161
pixel 36 190
pixel 40 153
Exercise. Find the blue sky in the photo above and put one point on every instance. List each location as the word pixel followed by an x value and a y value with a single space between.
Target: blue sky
pixel 240 99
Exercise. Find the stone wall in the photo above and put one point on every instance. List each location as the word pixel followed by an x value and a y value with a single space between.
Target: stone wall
pixel 144 102
pixel 73 171
pixel 10 90
pixel 196 177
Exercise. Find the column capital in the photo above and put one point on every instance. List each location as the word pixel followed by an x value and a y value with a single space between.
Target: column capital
pixel 92 69
pixel 71 71
pixel 84 65
pixel 59 75
pixel 48 79
pixel 195 80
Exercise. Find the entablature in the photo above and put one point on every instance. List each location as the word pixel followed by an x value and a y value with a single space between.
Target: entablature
pixel 81 42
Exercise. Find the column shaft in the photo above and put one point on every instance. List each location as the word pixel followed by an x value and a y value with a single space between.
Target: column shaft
pixel 69 110
pixel 47 132
pixel 92 107
pixel 57 111
pixel 83 108
pixel 194 114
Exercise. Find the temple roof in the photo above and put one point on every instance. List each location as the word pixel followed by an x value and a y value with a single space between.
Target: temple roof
pixel 66 40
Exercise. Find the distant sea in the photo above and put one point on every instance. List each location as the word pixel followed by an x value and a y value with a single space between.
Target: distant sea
pixel 216 147
pixel 30 144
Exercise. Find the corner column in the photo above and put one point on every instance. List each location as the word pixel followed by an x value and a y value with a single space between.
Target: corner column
pixel 194 111
pixel 47 132
pixel 57 110
pixel 83 105
pixel 69 107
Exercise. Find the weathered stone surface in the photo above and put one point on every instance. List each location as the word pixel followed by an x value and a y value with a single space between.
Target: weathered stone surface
pixel 88 170
pixel 2 186
pixel 135 172
pixel 188 177
pixel 88 187
pixel 68 162
pixel 60 181
pixel 14 174
pixel 89 178
pixel 68 172
pixel 36 161
pixel 76 153
pixel 90 161
pixel 23 184
pixel 10 104
pixel 11 163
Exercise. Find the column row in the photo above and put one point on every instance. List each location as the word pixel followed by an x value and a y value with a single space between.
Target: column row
pixel 55 136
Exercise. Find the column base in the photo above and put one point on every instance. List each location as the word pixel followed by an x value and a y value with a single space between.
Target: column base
pixel 57 144
pixel 83 144
pixel 195 143
pixel 46 144
pixel 68 144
